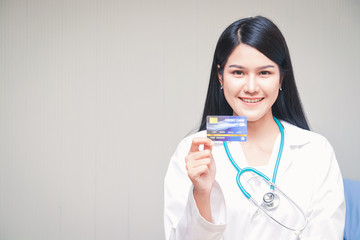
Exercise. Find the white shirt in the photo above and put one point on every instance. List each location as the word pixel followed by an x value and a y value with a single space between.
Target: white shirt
pixel 308 173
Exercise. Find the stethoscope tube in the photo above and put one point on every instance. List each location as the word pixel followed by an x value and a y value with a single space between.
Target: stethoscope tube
pixel 267 179
pixel 250 169
pixel 297 230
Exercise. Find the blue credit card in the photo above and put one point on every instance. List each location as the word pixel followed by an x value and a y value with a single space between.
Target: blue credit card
pixel 226 128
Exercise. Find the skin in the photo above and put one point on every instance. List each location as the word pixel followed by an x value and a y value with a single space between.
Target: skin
pixel 201 170
pixel 251 84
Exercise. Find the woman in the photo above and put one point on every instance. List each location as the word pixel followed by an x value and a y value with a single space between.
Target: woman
pixel 252 76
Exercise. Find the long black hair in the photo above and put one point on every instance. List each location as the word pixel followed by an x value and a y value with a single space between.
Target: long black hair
pixel 262 34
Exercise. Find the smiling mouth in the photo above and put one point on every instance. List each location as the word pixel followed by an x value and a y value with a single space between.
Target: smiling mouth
pixel 251 100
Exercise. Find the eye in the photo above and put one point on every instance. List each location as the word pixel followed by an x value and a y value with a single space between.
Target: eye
pixel 238 73
pixel 264 73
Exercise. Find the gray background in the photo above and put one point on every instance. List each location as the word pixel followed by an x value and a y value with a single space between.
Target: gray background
pixel 95 96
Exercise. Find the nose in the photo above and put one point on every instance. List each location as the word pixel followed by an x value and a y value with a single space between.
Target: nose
pixel 251 84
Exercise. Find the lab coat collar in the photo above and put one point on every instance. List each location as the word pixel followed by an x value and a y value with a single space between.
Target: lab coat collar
pixel 294 135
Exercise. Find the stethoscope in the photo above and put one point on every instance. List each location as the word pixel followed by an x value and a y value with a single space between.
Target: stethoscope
pixel 271 200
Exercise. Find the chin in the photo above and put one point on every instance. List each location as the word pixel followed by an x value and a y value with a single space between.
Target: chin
pixel 252 117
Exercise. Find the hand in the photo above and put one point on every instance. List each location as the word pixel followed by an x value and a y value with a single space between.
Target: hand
pixel 200 166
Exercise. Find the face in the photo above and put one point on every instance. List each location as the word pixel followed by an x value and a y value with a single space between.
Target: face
pixel 251 83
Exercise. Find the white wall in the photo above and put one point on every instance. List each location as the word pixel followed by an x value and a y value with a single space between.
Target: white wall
pixel 95 95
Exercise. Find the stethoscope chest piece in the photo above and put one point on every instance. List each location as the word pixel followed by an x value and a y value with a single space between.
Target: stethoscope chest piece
pixel 270 201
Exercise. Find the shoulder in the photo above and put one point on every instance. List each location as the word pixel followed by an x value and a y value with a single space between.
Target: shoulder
pixel 185 143
pixel 305 139
pixel 188 139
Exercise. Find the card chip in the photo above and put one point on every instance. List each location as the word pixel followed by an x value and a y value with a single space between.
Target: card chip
pixel 213 120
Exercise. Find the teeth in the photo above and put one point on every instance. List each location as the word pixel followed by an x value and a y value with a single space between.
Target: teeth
pixel 251 100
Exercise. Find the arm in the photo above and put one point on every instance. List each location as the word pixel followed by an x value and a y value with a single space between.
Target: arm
pixel 326 218
pixel 182 217
pixel 201 170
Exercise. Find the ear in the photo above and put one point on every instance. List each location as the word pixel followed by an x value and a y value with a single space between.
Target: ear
pixel 219 75
pixel 281 81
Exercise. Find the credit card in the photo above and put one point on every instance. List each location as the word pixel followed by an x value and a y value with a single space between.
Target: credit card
pixel 226 128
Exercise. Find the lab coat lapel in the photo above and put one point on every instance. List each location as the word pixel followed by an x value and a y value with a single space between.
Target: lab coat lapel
pixel 294 138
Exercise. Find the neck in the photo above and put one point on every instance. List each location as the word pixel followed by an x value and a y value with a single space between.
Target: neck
pixel 261 136
pixel 263 129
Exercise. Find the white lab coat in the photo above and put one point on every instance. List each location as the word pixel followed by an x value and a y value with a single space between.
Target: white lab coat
pixel 308 173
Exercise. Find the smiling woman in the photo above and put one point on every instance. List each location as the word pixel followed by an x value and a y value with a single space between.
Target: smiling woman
pixel 252 76
pixel 250 82
pixel 264 37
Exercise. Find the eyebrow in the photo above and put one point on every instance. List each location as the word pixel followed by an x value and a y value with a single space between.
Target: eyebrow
pixel 259 68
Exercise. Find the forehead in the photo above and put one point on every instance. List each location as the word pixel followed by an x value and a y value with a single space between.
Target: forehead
pixel 246 55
